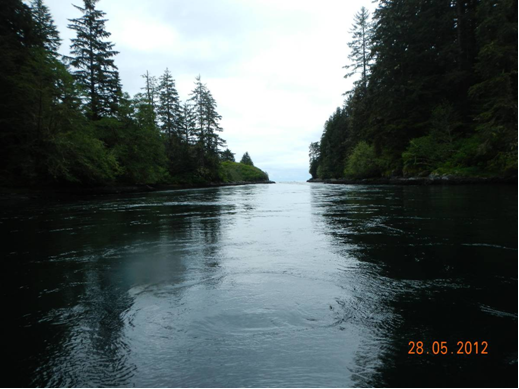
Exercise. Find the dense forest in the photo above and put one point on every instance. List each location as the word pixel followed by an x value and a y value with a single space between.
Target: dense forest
pixel 66 121
pixel 435 93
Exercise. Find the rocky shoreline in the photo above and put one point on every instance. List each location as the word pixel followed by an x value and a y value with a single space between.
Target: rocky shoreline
pixel 156 188
pixel 429 180
pixel 50 192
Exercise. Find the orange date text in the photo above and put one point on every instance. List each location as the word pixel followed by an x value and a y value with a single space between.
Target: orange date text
pixel 442 348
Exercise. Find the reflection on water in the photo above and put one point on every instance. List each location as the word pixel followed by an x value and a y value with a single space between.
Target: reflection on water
pixel 441 265
pixel 274 285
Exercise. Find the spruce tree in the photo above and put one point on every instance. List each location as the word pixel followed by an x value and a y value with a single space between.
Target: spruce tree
pixel 92 59
pixel 169 105
pixel 214 141
pixel 196 99
pixel 150 90
pixel 45 27
pixel 360 46
pixel 227 155
pixel 495 95
pixel 17 97
pixel 47 68
pixel 207 118
pixel 314 154
pixel 246 159
pixel 146 101
pixel 187 122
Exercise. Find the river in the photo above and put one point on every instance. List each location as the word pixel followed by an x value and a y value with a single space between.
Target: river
pixel 291 284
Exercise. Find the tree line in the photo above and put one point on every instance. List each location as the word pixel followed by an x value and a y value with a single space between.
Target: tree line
pixel 66 120
pixel 436 92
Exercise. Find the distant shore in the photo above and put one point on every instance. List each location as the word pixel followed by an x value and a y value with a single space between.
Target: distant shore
pixel 436 180
pixel 12 193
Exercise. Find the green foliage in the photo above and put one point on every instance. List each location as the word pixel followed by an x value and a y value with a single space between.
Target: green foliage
pixel 136 143
pixel 504 162
pixel 423 154
pixel 362 162
pixel 78 157
pixel 495 95
pixel 234 172
pixel 227 155
pixel 466 152
pixel 141 154
pixel 431 151
pixel 389 164
pixel 334 145
pixel 182 158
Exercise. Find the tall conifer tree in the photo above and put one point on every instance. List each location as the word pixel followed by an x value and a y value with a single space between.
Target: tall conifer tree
pixel 187 122
pixel 246 159
pixel 150 90
pixel 207 118
pixel 92 58
pixel 360 46
pixel 227 155
pixel 45 27
pixel 169 105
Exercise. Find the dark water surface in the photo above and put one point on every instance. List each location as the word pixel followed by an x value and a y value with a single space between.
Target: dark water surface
pixel 266 285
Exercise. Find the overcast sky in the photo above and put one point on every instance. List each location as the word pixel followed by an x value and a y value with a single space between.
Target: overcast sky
pixel 274 67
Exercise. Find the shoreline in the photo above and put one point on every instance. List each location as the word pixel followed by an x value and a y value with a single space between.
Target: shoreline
pixel 25 193
pixel 440 180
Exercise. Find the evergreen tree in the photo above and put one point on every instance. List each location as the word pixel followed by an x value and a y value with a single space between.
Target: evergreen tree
pixel 360 46
pixel 495 95
pixel 197 101
pixel 92 58
pixel 246 159
pixel 333 150
pixel 45 27
pixel 207 119
pixel 314 155
pixel 145 102
pixel 227 155
pixel 187 122
pixel 17 98
pixel 169 105
pixel 114 93
pixel 413 44
pixel 139 148
pixel 150 90
pixel 214 141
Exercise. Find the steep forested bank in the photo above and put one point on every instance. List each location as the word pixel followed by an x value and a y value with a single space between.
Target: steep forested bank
pixel 436 93
pixel 65 121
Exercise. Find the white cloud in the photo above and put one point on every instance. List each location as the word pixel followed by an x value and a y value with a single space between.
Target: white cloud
pixel 147 36
pixel 274 67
